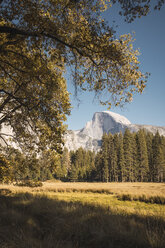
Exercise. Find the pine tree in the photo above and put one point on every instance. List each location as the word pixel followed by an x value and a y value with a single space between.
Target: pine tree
pixel 142 159
pixel 50 165
pixel 112 157
pixel 128 156
pixel 149 138
pixel 160 165
pixel 163 150
pixel 105 171
pixel 134 158
pixel 115 157
pixel 65 163
pixel 110 154
pixel 105 158
pixel 99 166
pixel 163 144
pixel 156 143
pixel 73 174
pixel 90 165
pixel 121 161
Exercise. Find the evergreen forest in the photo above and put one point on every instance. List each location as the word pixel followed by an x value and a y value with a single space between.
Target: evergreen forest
pixel 128 157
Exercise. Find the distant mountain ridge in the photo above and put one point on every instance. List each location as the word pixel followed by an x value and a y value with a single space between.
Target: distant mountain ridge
pixel 90 136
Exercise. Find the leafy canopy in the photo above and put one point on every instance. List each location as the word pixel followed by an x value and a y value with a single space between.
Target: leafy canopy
pixel 39 41
pixel 132 9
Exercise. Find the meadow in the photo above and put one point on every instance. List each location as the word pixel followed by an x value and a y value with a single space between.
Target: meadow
pixel 80 215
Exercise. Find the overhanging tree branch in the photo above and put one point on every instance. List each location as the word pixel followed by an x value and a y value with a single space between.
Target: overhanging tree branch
pixel 8 115
pixel 16 31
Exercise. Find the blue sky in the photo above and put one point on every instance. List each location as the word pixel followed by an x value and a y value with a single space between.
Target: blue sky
pixel 149 107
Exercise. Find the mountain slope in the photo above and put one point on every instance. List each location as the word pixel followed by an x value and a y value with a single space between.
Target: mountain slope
pixel 90 136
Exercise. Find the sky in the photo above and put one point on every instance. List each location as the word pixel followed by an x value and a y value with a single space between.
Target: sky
pixel 148 107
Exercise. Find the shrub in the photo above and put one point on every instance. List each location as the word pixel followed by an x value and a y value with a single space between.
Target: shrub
pixel 5 170
pixel 142 198
pixel 30 183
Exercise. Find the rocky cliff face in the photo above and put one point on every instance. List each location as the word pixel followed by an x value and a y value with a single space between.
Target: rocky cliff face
pixel 103 122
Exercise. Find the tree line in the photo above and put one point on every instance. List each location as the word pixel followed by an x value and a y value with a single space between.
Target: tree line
pixel 132 157
pixel 128 157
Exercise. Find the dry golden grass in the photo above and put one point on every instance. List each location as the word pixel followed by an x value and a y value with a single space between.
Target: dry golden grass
pixel 121 197
pixel 130 188
pixel 148 189
pixel 81 215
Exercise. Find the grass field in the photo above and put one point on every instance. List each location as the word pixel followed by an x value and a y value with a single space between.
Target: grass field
pixel 80 215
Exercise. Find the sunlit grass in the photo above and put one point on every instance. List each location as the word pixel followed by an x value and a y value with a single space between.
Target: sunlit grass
pixel 112 203
pixel 125 188
pixel 80 215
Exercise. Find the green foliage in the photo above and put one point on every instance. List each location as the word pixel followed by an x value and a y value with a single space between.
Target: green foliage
pixel 131 157
pixel 105 167
pixel 137 8
pixel 158 163
pixel 73 175
pixel 49 161
pixel 5 170
pixel 149 140
pixel 39 41
pixel 121 159
pixel 142 159
pixel 128 170
pixel 128 157
pixel 31 167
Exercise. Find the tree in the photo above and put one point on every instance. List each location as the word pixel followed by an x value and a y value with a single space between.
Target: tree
pixel 135 169
pixel 158 161
pixel 142 158
pixel 99 166
pixel 5 170
pixel 73 175
pixel 105 158
pixel 112 157
pixel 160 165
pixel 65 162
pixel 128 169
pixel 121 161
pixel 33 167
pixel 156 145
pixel 18 163
pixel 163 160
pixel 49 162
pixel 39 40
pixel 149 137
pixel 137 8
pixel 91 167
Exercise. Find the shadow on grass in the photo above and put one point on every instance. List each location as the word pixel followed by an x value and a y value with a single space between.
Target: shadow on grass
pixel 28 221
pixel 142 198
